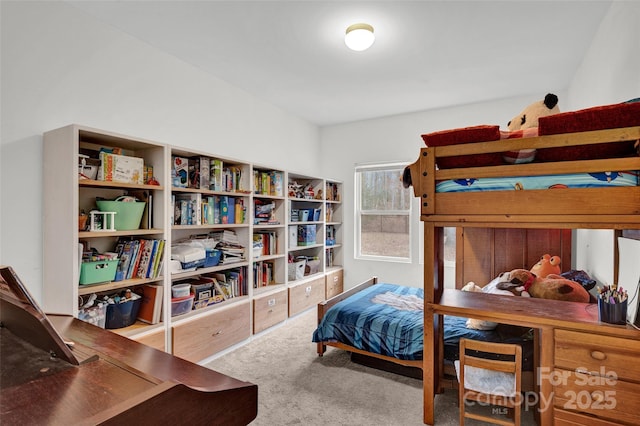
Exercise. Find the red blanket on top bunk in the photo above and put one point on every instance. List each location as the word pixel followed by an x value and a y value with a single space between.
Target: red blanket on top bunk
pixel 596 118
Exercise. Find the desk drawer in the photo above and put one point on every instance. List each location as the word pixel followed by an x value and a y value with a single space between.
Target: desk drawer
pixel 334 283
pixel 155 339
pixel 199 337
pixel 568 418
pixel 269 310
pixel 606 398
pixel 597 354
pixel 305 295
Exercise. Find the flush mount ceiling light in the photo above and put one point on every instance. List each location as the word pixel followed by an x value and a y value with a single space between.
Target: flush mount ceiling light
pixel 359 37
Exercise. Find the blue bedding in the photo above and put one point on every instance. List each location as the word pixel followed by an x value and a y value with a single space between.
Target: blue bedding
pixel 387 319
pixel 577 180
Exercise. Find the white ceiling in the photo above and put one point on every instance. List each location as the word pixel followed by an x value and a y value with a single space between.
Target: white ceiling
pixel 427 54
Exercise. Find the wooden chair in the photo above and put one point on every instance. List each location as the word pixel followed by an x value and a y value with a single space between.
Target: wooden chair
pixel 490 382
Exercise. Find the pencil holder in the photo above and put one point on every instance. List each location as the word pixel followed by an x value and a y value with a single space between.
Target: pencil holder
pixel 612 313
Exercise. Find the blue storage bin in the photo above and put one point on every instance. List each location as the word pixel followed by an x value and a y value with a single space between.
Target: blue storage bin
pixel 121 315
pixel 212 258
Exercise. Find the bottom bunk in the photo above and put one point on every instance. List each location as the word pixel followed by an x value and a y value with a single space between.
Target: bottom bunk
pixel 382 325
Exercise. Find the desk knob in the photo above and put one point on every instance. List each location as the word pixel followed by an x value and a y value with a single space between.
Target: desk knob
pixel 600 356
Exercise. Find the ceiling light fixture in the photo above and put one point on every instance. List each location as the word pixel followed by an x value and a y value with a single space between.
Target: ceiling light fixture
pixel 359 37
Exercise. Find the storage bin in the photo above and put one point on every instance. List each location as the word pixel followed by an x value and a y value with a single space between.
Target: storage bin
pixel 128 213
pixel 95 315
pixel 98 272
pixel 180 290
pixel 296 270
pixel 313 265
pixel 212 258
pixel 306 235
pixel 181 305
pixel 121 315
pixel 202 291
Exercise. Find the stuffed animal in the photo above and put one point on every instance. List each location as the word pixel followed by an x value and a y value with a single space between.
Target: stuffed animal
pixel 547 265
pixel 526 283
pixel 528 118
pixel 490 288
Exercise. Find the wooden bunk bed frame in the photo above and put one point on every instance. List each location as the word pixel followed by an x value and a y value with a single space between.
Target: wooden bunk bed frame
pixel 588 208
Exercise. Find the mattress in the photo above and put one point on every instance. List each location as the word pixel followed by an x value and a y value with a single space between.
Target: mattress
pixel 576 180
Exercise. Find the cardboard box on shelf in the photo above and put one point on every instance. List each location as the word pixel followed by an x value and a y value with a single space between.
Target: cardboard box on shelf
pixel 121 168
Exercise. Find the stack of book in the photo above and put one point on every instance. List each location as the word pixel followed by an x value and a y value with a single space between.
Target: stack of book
pixel 229 244
pixel 139 258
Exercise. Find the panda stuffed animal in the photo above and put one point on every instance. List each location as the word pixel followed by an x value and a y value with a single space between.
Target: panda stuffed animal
pixel 528 118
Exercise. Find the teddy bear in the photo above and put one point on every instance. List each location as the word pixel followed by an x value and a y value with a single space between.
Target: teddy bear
pixel 525 283
pixel 547 265
pixel 528 118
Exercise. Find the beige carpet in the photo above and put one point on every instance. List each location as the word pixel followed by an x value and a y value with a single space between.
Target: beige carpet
pixel 296 387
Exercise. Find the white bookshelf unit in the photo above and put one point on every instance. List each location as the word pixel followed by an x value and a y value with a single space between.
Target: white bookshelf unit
pixel 250 203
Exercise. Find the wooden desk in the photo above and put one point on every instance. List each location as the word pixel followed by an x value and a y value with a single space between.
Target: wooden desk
pixel 571 342
pixel 119 381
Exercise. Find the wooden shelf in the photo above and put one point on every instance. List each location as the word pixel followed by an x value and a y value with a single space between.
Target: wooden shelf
pixel 68 195
pixel 115 285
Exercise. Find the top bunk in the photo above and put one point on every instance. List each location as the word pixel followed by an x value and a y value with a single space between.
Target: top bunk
pixel 577 170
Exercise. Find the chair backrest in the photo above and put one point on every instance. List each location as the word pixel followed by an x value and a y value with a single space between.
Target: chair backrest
pixel 490 375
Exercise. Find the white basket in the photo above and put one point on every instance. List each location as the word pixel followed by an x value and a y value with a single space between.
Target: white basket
pixel 296 270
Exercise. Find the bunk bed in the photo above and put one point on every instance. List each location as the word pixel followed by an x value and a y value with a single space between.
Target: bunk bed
pixel 572 143
pixel 602 142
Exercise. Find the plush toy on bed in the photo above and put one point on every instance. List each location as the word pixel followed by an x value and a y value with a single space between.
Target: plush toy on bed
pixel 526 283
pixel 528 118
pixel 520 282
pixel 547 265
pixel 525 125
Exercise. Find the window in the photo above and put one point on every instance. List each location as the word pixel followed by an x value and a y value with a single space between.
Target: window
pixel 383 213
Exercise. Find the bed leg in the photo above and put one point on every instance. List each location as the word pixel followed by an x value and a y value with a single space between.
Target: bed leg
pixel 321 349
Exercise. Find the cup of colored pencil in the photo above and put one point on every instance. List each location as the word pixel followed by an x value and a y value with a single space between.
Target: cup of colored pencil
pixel 612 304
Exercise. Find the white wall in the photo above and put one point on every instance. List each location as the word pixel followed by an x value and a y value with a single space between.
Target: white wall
pixel 609 74
pixel 60 66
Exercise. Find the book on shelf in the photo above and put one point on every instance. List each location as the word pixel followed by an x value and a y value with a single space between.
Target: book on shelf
pixel 232 179
pixel 134 259
pixel 151 303
pixel 240 210
pixel 268 241
pixel 194 172
pixel 146 253
pixel 215 176
pixel 122 259
pixel 187 209
pixel 268 182
pixel 158 259
pixel 205 172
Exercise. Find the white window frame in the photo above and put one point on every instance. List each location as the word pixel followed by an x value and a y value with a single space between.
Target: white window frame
pixel 358 212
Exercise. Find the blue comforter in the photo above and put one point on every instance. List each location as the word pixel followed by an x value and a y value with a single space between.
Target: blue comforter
pixel 386 319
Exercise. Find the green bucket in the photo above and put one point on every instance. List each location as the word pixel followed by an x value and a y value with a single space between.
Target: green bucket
pixel 128 213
